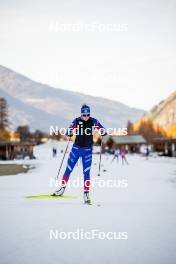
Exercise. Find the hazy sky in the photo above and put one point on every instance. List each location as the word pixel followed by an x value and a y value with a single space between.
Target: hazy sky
pixel 122 50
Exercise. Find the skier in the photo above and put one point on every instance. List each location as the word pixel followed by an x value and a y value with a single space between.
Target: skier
pixel 54 150
pixel 147 153
pixel 123 156
pixel 82 148
pixel 116 155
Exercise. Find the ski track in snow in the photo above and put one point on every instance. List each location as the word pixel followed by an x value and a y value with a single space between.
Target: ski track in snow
pixel 146 210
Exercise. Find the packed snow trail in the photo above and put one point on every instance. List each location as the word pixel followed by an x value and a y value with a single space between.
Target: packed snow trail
pixel 145 210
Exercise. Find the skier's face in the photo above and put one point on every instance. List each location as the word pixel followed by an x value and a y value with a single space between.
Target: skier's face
pixel 85 117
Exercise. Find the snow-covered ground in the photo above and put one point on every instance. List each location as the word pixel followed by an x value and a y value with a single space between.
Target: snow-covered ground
pixel 144 210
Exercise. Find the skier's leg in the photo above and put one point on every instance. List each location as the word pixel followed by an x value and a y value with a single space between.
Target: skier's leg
pixel 122 161
pixel 87 161
pixel 126 161
pixel 72 160
pixel 113 159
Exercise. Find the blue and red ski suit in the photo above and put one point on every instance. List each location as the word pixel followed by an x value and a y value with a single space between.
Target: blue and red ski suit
pixel 82 148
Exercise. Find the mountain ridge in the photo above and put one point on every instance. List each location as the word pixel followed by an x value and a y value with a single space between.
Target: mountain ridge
pixel 69 91
pixel 164 113
pixel 57 105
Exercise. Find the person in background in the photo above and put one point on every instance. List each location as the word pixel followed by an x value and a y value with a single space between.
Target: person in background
pixel 123 156
pixel 116 155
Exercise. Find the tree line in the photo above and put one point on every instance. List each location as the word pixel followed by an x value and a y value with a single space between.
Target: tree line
pixel 144 127
pixel 147 129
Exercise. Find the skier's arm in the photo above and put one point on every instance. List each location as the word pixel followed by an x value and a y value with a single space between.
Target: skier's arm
pixel 69 132
pixel 99 126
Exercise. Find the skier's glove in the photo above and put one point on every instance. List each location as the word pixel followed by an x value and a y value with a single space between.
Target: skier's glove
pixel 70 134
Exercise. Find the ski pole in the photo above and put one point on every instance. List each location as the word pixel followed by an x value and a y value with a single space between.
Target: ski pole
pixel 63 158
pixel 100 157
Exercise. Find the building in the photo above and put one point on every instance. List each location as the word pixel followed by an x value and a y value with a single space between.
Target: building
pixel 130 143
pixel 166 147
pixel 16 150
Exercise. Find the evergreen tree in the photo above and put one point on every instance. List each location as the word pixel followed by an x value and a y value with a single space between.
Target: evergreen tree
pixel 3 114
pixel 4 133
pixel 24 133
pixel 130 129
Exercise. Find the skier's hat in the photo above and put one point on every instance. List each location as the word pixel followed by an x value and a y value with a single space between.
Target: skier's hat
pixel 85 109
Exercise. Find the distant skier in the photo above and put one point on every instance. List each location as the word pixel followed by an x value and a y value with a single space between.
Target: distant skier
pixel 116 155
pixel 147 153
pixel 123 156
pixel 82 148
pixel 54 150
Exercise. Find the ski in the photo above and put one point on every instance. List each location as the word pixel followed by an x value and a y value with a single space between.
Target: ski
pixel 51 196
pixel 93 204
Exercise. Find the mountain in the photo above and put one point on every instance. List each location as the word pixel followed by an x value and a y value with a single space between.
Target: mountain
pixel 164 113
pixel 40 105
pixel 163 116
pixel 22 114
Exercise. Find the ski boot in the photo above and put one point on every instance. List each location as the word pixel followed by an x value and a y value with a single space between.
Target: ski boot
pixel 87 198
pixel 59 192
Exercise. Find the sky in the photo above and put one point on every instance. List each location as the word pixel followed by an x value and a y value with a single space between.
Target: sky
pixel 118 49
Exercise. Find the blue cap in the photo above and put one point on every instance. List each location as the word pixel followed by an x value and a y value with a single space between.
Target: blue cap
pixel 85 109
